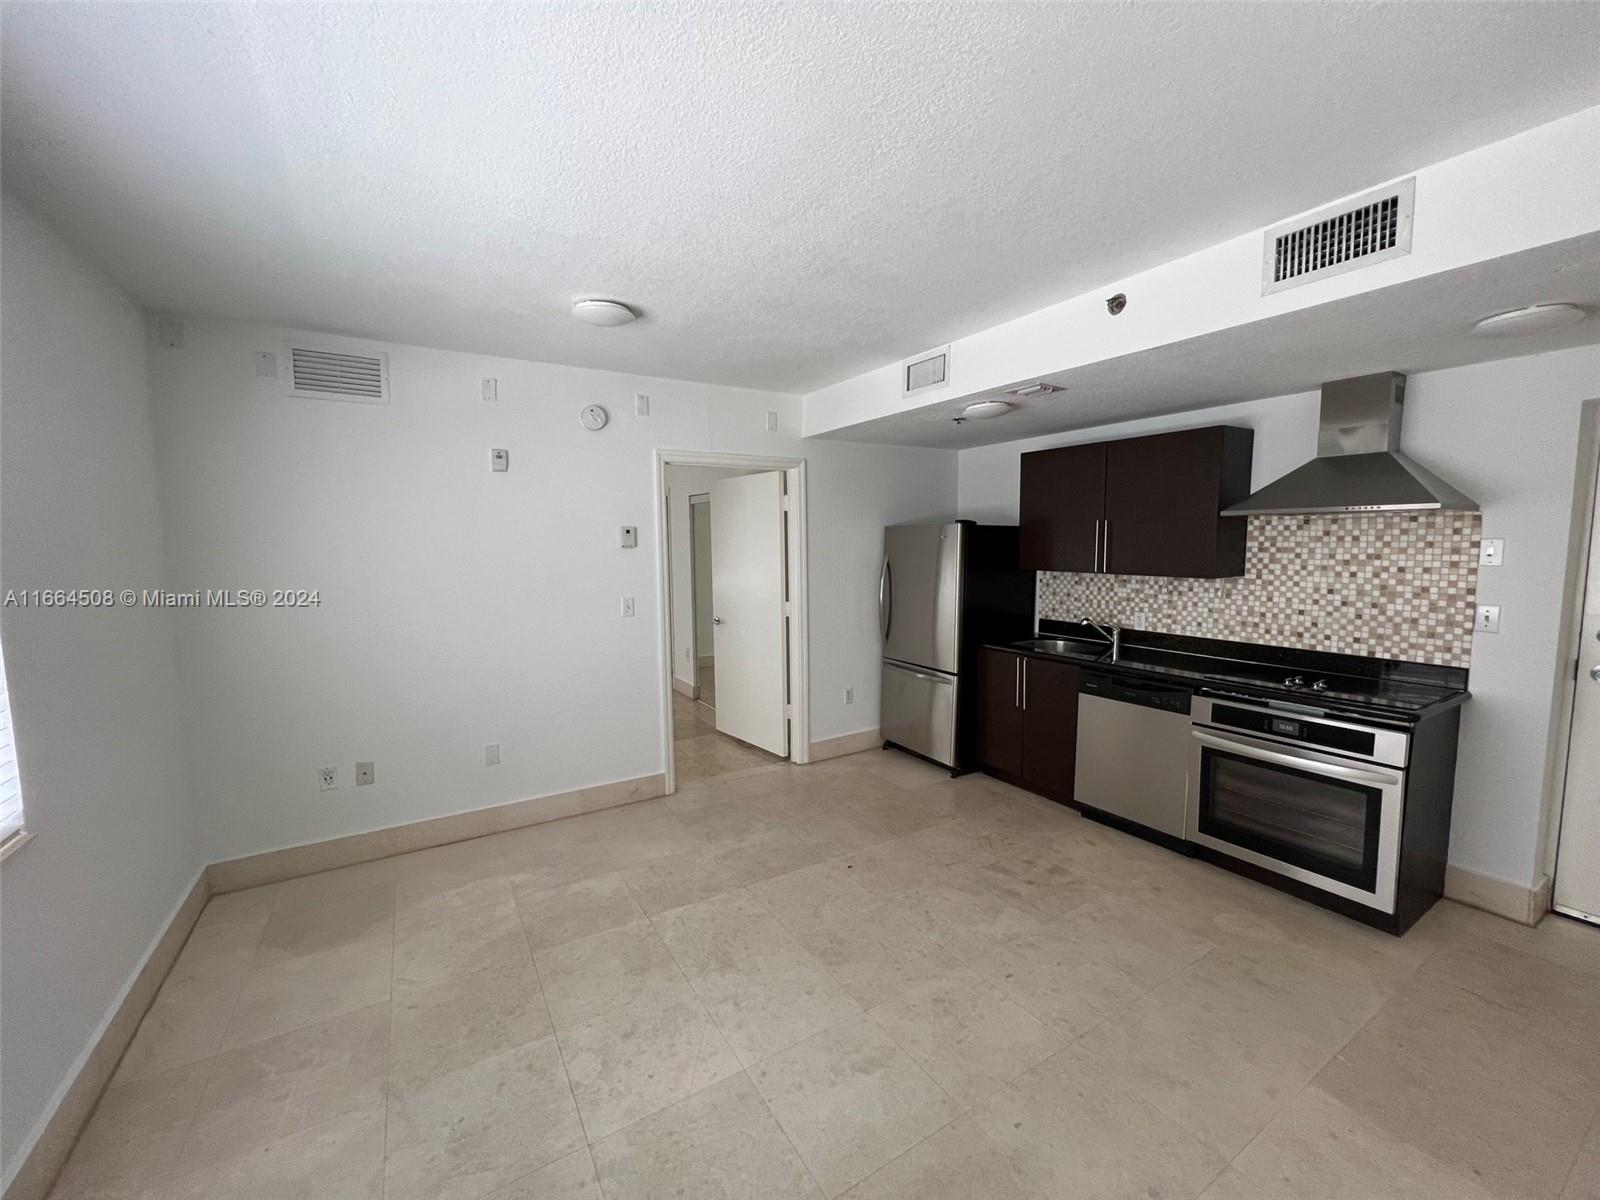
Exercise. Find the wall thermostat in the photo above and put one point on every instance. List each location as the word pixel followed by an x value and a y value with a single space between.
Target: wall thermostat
pixel 500 460
pixel 594 417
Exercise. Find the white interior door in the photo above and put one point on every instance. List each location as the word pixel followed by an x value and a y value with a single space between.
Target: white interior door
pixel 1577 890
pixel 747 569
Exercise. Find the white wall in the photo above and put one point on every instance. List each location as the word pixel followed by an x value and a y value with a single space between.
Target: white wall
pixel 687 640
pixel 1506 434
pixel 95 692
pixel 459 606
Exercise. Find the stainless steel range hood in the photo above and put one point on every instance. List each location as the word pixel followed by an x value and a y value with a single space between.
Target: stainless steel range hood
pixel 1359 467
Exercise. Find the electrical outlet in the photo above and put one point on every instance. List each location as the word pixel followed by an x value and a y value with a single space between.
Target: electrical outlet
pixel 491 754
pixel 500 460
pixel 627 606
pixel 1141 620
pixel 1488 618
pixel 328 778
pixel 1491 552
pixel 365 775
pixel 641 405
pixel 849 695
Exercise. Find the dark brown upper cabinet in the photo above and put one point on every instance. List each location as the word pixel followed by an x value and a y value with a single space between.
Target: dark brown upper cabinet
pixel 1138 506
pixel 1062 502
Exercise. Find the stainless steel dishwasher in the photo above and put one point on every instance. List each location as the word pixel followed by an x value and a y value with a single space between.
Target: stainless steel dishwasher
pixel 1133 753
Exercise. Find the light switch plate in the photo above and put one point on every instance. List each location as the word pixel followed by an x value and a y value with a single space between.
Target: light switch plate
pixel 491 754
pixel 630 536
pixel 500 460
pixel 627 606
pixel 266 364
pixel 772 422
pixel 1488 619
pixel 491 390
pixel 1491 552
pixel 641 405
pixel 365 776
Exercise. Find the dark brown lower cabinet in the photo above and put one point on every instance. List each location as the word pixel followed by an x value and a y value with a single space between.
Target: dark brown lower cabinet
pixel 999 711
pixel 1049 727
pixel 1028 721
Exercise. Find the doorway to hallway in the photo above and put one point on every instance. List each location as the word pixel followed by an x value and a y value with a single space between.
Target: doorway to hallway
pixel 733 631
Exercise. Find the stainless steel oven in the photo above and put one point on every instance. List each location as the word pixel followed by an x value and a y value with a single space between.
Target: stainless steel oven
pixel 1309 795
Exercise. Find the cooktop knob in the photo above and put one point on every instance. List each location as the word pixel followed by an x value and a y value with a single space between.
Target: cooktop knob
pixel 1320 685
pixel 1295 681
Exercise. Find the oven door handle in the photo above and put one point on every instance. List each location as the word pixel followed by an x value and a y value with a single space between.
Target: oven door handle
pixel 1256 750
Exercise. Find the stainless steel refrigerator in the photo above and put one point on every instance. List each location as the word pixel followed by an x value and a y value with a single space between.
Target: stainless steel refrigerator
pixel 945 590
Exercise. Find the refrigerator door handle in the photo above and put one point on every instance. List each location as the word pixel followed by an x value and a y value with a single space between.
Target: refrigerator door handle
pixel 885 598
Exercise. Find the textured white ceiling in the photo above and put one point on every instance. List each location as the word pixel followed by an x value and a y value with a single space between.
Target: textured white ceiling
pixel 1420 325
pixel 791 193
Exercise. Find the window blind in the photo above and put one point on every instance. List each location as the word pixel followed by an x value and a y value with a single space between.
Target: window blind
pixel 10 781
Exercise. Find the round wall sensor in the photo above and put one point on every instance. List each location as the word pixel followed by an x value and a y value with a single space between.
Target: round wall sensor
pixel 984 410
pixel 602 312
pixel 594 417
pixel 1536 318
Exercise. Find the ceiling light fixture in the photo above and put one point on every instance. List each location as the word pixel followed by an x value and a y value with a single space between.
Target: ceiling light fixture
pixel 1535 318
pixel 985 410
pixel 603 312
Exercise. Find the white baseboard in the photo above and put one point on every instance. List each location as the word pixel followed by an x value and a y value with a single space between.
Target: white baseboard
pixel 42 1158
pixel 1513 901
pixel 845 743
pixel 685 688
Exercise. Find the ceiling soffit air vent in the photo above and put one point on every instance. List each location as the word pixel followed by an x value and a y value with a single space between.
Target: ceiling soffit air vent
pixel 925 372
pixel 1353 234
pixel 323 372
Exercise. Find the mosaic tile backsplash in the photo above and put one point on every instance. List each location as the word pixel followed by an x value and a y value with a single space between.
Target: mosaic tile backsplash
pixel 1390 585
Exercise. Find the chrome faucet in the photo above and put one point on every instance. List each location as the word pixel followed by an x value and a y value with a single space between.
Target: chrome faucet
pixel 1111 633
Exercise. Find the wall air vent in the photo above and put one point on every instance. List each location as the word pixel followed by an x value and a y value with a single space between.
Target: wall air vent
pixel 322 372
pixel 1350 235
pixel 926 371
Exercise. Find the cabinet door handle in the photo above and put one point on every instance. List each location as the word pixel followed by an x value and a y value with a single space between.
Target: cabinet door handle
pixel 1096 565
pixel 1105 549
pixel 1024 663
pixel 1016 684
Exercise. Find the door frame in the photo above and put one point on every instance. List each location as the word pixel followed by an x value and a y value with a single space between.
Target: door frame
pixel 794 470
pixel 1580 564
pixel 694 591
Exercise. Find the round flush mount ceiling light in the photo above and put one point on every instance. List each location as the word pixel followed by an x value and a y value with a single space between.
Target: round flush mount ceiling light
pixel 985 410
pixel 603 312
pixel 1536 318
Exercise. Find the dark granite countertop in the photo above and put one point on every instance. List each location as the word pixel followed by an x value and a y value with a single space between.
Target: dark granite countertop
pixel 1381 688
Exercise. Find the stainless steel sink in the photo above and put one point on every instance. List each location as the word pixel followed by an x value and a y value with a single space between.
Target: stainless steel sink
pixel 1064 646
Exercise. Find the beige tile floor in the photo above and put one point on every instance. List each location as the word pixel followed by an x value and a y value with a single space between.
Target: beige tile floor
pixel 701 752
pixel 857 979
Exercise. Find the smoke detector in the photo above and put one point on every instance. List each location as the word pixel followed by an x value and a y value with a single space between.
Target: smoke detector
pixel 1037 388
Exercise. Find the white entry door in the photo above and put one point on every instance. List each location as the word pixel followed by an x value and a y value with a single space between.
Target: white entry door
pixel 747 624
pixel 1577 890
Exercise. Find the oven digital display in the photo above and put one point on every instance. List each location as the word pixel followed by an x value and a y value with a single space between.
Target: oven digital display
pixel 1285 728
